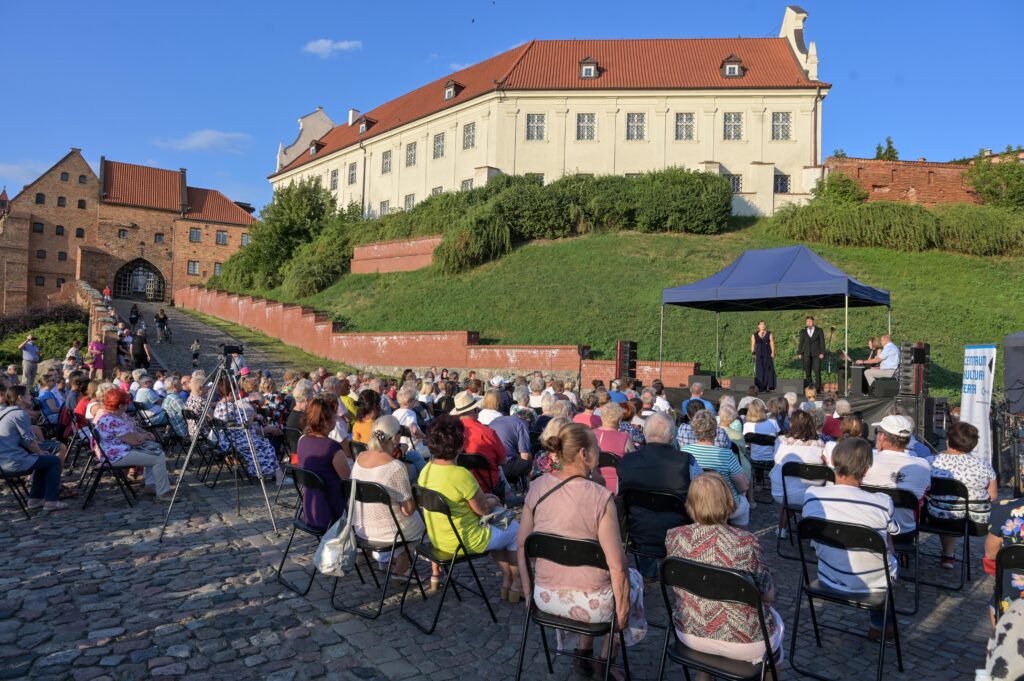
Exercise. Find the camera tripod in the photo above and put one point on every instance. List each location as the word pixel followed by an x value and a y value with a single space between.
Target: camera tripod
pixel 221 371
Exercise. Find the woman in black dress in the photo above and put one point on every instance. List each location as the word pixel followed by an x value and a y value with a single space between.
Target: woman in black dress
pixel 762 347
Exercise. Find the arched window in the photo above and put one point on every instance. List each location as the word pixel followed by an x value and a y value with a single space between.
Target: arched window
pixel 40 199
pixel 81 179
pixel 79 233
pixel 62 256
pixel 81 203
pixel 59 229
pixel 61 202
pixel 64 177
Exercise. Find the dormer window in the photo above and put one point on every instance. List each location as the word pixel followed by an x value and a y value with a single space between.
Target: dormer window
pixel 364 123
pixel 452 90
pixel 732 67
pixel 362 127
pixel 588 68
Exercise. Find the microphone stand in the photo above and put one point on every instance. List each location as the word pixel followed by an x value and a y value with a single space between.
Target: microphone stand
pixel 829 356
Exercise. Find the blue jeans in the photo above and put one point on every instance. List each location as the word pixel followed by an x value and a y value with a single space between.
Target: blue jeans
pixel 416 464
pixel 45 478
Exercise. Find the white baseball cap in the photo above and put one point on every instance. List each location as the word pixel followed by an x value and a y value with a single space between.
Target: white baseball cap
pixel 900 426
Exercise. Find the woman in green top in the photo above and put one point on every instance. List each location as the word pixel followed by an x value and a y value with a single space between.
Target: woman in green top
pixel 468 503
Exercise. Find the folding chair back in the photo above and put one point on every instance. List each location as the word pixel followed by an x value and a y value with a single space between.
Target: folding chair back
pixel 305 480
pixel 607 460
pixel 357 448
pixel 805 471
pixel 948 487
pixel 474 462
pixel 760 439
pixel 845 536
pixel 1009 558
pixel 662 501
pixel 563 551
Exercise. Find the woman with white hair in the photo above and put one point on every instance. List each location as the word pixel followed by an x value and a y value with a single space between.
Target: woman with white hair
pixel 407 399
pixel 759 423
pixel 196 400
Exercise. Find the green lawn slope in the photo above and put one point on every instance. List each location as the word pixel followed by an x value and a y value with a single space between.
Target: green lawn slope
pixel 600 288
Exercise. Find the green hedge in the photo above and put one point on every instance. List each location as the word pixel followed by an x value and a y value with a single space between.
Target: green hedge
pixel 53 341
pixel 961 228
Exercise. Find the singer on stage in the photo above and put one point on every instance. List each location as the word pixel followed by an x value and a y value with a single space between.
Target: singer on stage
pixel 811 350
pixel 762 347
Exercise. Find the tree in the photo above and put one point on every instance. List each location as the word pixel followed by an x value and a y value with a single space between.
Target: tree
pixel 999 179
pixel 838 187
pixel 889 153
pixel 839 153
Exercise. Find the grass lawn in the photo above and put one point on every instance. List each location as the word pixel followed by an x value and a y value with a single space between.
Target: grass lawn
pixel 273 349
pixel 600 288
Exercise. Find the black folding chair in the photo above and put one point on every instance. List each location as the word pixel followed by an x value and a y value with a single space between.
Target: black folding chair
pixel 304 480
pixel 292 458
pixel 357 448
pixel 433 502
pixel 608 460
pixel 805 471
pixel 957 499
pixel 19 489
pixel 1009 558
pixel 660 501
pixel 568 553
pixel 478 462
pixel 847 537
pixel 761 470
pixel 715 584
pixel 370 493
pixel 100 466
pixel 906 544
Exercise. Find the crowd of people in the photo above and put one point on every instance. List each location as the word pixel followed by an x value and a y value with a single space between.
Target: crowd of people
pixel 529 453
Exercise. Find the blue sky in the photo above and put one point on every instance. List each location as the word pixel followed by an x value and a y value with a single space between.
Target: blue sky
pixel 215 86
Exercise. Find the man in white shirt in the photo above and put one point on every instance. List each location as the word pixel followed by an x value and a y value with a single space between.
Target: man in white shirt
pixel 894 466
pixel 883 366
pixel 660 403
pixel 846 502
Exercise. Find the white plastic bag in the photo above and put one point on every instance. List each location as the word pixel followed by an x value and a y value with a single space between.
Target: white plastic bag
pixel 336 555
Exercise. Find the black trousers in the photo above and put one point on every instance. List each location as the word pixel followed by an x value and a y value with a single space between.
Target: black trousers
pixel 812 363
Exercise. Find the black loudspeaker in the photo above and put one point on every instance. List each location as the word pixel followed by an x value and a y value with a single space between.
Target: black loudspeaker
pixel 922 410
pixel 704 379
pixel 625 359
pixel 739 384
pixel 884 387
pixel 915 361
pixel 791 385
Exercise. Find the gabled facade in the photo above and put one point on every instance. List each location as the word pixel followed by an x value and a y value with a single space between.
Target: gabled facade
pixel 748 108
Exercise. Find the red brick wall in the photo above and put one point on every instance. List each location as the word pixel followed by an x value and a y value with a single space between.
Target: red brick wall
pixel 312 331
pixel 395 256
pixel 907 181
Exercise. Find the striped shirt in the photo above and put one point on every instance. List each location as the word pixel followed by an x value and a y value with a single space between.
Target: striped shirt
pixel 718 459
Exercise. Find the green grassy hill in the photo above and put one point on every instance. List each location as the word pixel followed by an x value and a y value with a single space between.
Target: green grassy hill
pixel 600 288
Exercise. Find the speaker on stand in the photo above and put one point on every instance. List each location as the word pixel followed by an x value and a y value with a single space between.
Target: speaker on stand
pixel 625 359
pixel 915 361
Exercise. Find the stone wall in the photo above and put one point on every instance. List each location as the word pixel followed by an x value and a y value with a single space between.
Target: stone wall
pixel 313 332
pixel 395 256
pixel 907 181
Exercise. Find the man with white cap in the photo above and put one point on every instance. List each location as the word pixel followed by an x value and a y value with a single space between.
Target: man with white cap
pixel 894 466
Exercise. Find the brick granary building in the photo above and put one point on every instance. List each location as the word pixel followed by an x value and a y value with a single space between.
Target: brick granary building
pixel 141 231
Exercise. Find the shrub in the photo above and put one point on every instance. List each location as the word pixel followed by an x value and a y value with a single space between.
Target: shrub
pixel 53 340
pixel 30 319
pixel 530 211
pixel 678 200
pixel 980 230
pixel 840 188
pixel 901 227
pixel 1000 184
pixel 477 237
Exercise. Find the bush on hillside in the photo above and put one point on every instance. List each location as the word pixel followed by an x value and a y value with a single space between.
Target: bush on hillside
pixel 840 188
pixel 999 184
pixel 530 211
pixel 897 226
pixel 22 322
pixel 477 237
pixel 980 230
pixel 678 200
pixel 53 340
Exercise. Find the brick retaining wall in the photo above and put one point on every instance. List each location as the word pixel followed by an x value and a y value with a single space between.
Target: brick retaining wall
pixel 312 331
pixel 394 256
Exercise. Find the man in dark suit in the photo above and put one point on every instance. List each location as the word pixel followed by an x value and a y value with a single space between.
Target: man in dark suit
pixel 811 350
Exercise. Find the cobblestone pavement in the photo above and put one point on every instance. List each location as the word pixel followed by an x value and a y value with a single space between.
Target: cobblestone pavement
pixel 177 356
pixel 93 595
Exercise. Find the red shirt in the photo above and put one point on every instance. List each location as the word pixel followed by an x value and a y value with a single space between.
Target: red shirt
pixel 832 427
pixel 83 404
pixel 482 440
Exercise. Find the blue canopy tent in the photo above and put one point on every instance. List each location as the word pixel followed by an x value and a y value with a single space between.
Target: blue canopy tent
pixel 789 278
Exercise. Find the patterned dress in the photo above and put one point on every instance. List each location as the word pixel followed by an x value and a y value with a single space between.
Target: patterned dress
pixel 974 473
pixel 229 413
pixel 1008 525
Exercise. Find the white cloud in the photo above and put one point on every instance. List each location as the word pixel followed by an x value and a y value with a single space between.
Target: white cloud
pixel 17 175
pixel 207 140
pixel 456 66
pixel 324 47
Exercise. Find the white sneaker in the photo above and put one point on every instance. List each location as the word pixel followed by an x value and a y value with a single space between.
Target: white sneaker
pixel 782 533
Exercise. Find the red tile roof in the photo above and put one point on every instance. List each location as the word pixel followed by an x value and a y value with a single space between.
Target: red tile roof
pixel 212 206
pixel 670 64
pixel 136 185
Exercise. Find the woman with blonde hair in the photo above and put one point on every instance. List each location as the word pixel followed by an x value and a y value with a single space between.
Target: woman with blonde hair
pixel 542 461
pixel 566 503
pixel 759 423
pixel 490 408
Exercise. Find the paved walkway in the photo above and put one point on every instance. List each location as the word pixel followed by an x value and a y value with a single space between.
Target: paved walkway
pixel 177 356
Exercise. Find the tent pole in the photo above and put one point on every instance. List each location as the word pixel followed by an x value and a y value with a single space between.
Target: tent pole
pixel 889 307
pixel 661 344
pixel 846 345
pixel 718 343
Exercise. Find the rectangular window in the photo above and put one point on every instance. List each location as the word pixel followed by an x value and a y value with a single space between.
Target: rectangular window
pixel 122 234
pixel 684 127
pixel 60 282
pixel 158 238
pixel 586 127
pixel 781 125
pixel 736 181
pixel 410 154
pixel 732 126
pixel 385 162
pixel 59 230
pixel 41 254
pixel 222 238
pixel 245 239
pixel 195 235
pixel 782 184
pixel 436 190
pixel 37 227
pixel 351 173
pixel 62 256
pixel 40 281
pixel 79 233
pixel 216 268
pixel 334 179
pixel 439 145
pixel 469 136
pixel 193 268
pixel 410 201
pixel 636 126
pixel 534 127
pixel 385 207
pixel 466 185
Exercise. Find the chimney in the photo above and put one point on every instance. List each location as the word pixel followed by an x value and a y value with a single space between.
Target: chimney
pixel 183 184
pixel 353 114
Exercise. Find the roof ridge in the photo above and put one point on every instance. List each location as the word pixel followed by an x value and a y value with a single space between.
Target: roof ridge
pixel 516 63
pixel 908 161
pixel 613 40
pixel 140 165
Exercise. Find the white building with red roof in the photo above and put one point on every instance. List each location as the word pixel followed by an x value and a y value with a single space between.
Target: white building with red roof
pixel 747 108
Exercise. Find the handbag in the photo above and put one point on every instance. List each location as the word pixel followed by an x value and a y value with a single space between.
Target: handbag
pixel 336 554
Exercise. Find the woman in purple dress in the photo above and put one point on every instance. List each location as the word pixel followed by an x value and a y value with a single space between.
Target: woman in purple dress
pixel 319 454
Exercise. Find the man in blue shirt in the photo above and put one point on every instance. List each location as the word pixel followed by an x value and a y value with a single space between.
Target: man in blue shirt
pixel 29 361
pixel 515 435
pixel 885 364
pixel 697 393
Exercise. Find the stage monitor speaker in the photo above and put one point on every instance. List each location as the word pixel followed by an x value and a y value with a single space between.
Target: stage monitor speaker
pixel 922 410
pixel 739 384
pixel 790 385
pixel 625 359
pixel 884 387
pixel 705 380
